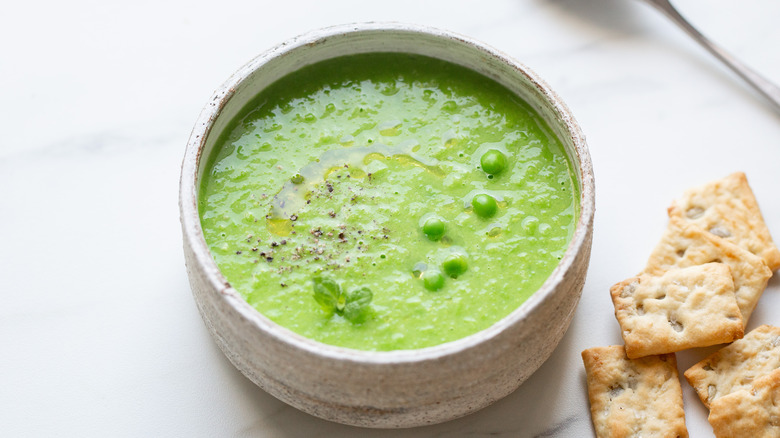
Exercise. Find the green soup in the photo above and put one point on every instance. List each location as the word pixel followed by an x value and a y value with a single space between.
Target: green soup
pixel 387 201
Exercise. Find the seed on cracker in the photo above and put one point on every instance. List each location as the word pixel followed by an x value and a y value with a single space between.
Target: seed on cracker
pixel 736 366
pixel 684 308
pixel 727 208
pixel 634 397
pixel 749 413
pixel 684 244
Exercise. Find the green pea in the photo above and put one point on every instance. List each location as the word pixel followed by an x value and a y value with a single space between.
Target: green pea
pixel 434 228
pixel 493 162
pixel 484 205
pixel 433 279
pixel 455 265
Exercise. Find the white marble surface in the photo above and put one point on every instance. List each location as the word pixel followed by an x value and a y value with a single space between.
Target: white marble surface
pixel 99 335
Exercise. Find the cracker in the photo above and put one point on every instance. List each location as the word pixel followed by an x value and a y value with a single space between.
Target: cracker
pixel 735 366
pixel 752 412
pixel 727 208
pixel 634 397
pixel 684 308
pixel 684 245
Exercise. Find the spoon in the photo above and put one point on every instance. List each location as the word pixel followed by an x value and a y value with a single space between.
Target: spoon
pixel 761 84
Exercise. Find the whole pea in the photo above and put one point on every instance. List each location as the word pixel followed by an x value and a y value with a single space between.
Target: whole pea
pixel 434 228
pixel 493 162
pixel 484 205
pixel 433 279
pixel 455 265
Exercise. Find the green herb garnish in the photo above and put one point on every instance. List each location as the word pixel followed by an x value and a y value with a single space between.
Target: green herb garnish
pixel 352 305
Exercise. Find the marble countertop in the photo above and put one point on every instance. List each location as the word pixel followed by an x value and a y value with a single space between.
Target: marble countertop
pixel 99 334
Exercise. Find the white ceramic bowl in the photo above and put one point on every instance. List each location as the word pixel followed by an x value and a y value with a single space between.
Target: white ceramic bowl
pixel 397 388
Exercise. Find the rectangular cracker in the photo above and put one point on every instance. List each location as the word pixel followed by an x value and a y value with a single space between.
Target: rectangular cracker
pixel 749 413
pixel 735 366
pixel 684 308
pixel 684 244
pixel 633 397
pixel 727 208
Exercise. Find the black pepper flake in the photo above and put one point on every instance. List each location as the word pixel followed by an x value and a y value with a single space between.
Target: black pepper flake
pixel 238 252
pixel 294 217
pixel 254 249
pixel 283 284
pixel 274 244
pixel 269 259
pixel 332 213
pixel 284 242
pixel 341 236
pixel 330 187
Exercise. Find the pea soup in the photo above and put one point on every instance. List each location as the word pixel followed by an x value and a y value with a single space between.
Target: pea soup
pixel 387 201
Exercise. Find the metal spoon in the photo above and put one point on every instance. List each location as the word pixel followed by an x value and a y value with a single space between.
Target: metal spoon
pixel 765 87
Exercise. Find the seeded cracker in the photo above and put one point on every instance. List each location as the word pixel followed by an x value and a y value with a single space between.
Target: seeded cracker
pixel 736 366
pixel 684 308
pixel 634 397
pixel 727 208
pixel 684 245
pixel 752 412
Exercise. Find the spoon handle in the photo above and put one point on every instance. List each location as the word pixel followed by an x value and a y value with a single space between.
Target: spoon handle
pixel 761 84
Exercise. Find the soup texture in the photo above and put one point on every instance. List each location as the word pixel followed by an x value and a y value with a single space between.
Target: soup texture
pixel 387 201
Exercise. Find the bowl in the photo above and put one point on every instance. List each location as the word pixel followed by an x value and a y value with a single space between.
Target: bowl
pixel 397 388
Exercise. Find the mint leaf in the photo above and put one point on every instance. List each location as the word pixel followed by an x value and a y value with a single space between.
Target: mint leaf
pixel 328 294
pixel 352 305
pixel 356 303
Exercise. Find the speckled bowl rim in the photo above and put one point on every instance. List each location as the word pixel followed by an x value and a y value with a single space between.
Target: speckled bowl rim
pixel 188 201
